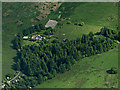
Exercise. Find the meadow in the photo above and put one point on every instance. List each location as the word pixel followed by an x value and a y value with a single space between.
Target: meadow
pixel 89 72
pixel 94 15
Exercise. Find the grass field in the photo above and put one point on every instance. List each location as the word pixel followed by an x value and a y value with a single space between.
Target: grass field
pixel 94 15
pixel 73 31
pixel 10 28
pixel 89 72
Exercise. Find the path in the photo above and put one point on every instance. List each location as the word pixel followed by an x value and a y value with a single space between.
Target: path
pixel 12 79
pixel 15 77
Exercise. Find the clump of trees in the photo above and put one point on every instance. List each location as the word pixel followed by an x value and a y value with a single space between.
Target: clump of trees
pixel 18 41
pixel 79 24
pixel 113 70
pixel 113 34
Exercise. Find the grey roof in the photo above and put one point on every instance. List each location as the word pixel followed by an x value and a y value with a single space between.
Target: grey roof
pixel 51 23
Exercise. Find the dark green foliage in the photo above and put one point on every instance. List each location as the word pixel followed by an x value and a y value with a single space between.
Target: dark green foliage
pixel 59 56
pixel 46 60
pixel 68 22
pixel 113 34
pixel 113 70
pixel 48 31
pixel 18 41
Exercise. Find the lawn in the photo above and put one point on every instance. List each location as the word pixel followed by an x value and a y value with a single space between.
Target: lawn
pixel 89 72
pixel 94 15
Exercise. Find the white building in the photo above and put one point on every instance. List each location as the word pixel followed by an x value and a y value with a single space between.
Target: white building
pixel 3 86
pixel 25 37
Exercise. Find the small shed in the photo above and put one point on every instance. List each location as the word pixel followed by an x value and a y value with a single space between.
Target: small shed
pixel 25 37
pixel 64 39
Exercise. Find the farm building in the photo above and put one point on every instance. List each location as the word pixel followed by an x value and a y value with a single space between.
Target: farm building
pixel 33 37
pixel 37 37
pixel 64 39
pixel 51 23
pixel 25 37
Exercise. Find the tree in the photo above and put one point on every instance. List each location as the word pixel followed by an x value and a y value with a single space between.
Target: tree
pixel 91 35
pixel 45 78
pixel 62 68
pixel 54 72
pixel 113 70
pixel 82 23
pixel 44 66
pixel 50 76
pixel 84 38
pixel 103 30
pixel 16 43
pixel 68 22
pixel 41 26
pixel 40 79
pixel 68 66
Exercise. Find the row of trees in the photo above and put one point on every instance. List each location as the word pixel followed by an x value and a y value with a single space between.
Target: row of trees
pixel 48 59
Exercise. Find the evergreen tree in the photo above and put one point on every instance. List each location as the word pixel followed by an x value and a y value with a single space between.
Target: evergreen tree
pixel 43 65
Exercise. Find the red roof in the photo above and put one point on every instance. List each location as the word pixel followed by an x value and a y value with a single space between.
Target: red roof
pixel 34 36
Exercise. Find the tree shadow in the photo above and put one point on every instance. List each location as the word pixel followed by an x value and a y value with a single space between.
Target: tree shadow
pixel 12 46
pixel 111 72
pixel 15 59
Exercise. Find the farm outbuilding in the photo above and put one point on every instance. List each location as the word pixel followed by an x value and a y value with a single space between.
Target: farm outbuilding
pixel 51 23
pixel 25 37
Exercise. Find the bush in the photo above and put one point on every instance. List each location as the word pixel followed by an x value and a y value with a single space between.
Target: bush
pixel 113 70
pixel 75 23
pixel 81 24
pixel 69 22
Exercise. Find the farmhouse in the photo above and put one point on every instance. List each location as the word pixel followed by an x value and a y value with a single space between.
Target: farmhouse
pixel 33 37
pixel 37 37
pixel 51 23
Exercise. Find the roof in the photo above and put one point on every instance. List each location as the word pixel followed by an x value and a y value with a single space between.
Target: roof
pixel 25 37
pixel 51 23
pixel 33 36
pixel 64 39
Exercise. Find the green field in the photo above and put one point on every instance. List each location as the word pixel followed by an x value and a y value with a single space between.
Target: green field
pixel 73 31
pixel 94 15
pixel 89 72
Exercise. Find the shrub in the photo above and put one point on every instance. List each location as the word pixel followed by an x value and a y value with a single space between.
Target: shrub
pixel 69 22
pixel 113 70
